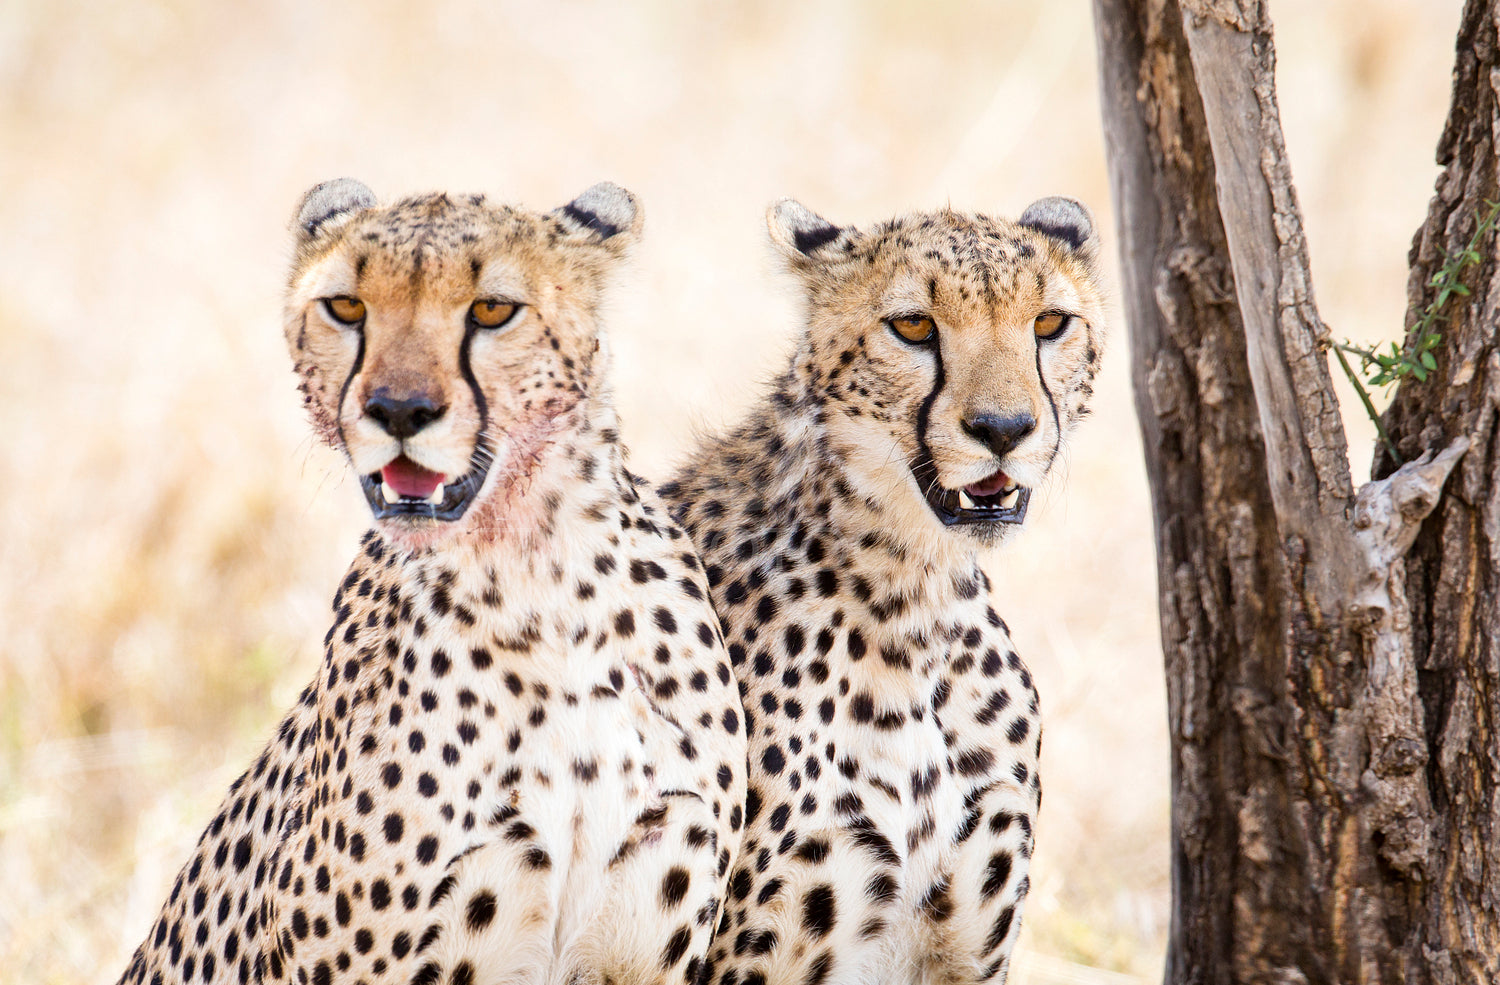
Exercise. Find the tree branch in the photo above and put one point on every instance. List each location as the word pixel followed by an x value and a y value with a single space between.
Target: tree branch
pixel 1307 457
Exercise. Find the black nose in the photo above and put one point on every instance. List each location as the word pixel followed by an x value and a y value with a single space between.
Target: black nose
pixel 401 417
pixel 1000 433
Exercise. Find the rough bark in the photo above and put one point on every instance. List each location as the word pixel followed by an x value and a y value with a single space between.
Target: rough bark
pixel 1452 572
pixel 1316 837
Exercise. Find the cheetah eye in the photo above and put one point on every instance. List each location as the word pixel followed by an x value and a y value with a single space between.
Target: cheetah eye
pixel 345 310
pixel 489 313
pixel 913 328
pixel 1051 324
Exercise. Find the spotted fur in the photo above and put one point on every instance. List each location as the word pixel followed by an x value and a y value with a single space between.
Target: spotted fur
pixel 894 732
pixel 522 758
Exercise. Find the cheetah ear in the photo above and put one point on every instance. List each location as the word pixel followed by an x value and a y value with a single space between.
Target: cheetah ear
pixel 330 202
pixel 1066 220
pixel 602 213
pixel 804 235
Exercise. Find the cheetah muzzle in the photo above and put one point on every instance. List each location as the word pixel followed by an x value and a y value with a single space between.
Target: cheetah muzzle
pixel 996 499
pixel 402 488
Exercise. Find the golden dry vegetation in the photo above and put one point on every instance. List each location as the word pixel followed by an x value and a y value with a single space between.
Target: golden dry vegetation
pixel 172 535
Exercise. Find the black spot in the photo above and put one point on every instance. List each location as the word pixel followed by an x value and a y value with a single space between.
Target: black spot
pixel 242 853
pixel 813 850
pixel 974 762
pixel 1001 928
pixel 996 874
pixel 674 886
pixel 676 947
pixel 818 911
pixel 625 622
pixel 938 903
pixel 480 911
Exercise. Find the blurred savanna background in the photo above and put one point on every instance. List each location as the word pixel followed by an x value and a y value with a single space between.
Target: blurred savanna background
pixel 172 535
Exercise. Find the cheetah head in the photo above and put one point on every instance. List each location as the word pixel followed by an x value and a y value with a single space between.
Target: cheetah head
pixel 952 353
pixel 441 341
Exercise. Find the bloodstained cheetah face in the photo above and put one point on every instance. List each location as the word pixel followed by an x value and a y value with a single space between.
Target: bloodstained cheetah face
pixel 953 352
pixel 442 342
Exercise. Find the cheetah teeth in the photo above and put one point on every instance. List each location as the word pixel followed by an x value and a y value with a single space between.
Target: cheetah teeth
pixel 1011 495
pixel 965 500
pixel 435 499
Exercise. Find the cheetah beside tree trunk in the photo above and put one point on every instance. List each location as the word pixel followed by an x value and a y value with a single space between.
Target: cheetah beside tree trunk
pixel 521 759
pixel 894 733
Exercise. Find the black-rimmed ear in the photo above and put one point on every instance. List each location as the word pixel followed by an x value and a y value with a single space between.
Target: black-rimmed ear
pixel 330 202
pixel 1066 220
pixel 804 235
pixel 603 212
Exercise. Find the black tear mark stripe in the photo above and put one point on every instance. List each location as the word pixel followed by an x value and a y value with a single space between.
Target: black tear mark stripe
pixel 807 240
pixel 482 442
pixel 590 220
pixel 338 412
pixel 924 411
pixel 1056 423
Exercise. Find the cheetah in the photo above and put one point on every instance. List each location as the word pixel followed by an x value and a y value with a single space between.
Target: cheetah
pixel 894 732
pixel 522 759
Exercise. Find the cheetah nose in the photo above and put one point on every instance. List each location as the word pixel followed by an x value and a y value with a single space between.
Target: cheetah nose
pixel 1000 433
pixel 401 417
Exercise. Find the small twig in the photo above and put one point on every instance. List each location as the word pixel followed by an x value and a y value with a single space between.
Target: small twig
pixel 1416 357
pixel 1364 398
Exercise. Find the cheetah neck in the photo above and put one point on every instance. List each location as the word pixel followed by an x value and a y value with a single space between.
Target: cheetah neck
pixel 864 493
pixel 531 541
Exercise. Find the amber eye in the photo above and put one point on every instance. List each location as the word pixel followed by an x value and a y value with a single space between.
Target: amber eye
pixel 492 314
pixel 1051 324
pixel 913 328
pixel 345 310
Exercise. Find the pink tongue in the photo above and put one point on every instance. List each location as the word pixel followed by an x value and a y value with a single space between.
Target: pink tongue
pixel 408 478
pixel 988 487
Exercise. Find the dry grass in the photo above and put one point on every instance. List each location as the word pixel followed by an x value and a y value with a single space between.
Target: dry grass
pixel 172 536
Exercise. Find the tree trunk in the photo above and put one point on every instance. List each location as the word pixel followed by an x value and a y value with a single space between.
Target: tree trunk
pixel 1333 805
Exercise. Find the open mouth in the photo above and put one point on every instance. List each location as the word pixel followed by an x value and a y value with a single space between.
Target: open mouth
pixel 996 499
pixel 405 489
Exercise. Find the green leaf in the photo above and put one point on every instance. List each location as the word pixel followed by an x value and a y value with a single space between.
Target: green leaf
pixel 1428 360
pixel 1419 372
